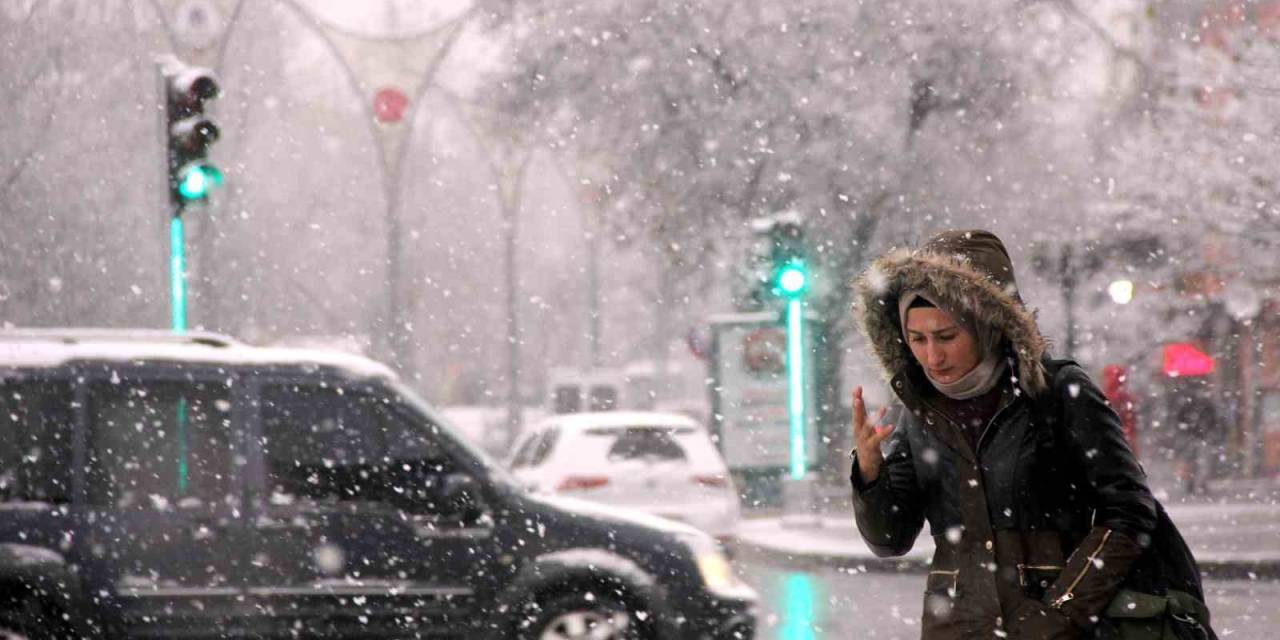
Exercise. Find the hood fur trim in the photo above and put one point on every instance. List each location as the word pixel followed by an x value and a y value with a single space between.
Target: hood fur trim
pixel 951 280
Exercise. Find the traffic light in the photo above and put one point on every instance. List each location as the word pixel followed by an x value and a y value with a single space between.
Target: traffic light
pixel 189 131
pixel 776 267
pixel 791 279
pixel 790 276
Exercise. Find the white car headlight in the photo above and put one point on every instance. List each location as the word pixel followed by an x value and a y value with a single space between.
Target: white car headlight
pixel 717 574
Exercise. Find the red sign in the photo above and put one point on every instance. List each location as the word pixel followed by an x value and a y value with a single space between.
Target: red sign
pixel 389 105
pixel 764 351
pixel 1182 359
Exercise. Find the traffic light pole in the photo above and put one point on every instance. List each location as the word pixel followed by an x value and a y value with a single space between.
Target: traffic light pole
pixel 791 282
pixel 798 489
pixel 177 272
pixel 795 387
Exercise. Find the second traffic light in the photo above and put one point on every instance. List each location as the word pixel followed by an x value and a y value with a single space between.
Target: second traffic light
pixel 789 275
pixel 776 265
pixel 189 131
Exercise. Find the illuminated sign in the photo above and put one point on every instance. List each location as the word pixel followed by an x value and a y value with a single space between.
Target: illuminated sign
pixel 1182 359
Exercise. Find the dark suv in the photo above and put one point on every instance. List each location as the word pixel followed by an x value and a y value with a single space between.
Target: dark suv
pixel 191 486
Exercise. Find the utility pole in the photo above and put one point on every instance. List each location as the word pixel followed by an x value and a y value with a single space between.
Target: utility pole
pixel 593 292
pixel 509 175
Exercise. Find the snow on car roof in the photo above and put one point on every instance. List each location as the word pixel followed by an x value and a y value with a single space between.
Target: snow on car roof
pixel 620 420
pixel 51 348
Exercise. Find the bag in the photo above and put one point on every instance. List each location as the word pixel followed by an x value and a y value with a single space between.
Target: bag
pixel 1161 598
pixel 1177 615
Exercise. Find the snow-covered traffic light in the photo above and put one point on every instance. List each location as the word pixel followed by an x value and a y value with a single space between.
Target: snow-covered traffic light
pixel 776 266
pixel 189 131
pixel 790 278
pixel 188 134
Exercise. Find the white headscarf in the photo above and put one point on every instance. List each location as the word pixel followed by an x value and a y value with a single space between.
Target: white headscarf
pixel 983 377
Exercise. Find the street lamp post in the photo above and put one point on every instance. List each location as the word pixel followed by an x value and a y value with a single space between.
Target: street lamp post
pixel 1067 266
pixel 1069 279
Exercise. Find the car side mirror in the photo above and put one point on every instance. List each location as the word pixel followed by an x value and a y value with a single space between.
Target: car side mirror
pixel 460 495
pixel 421 487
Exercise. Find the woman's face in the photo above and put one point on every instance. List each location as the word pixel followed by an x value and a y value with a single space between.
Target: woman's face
pixel 945 349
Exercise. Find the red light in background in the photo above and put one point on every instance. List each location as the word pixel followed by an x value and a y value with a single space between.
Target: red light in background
pixel 1183 359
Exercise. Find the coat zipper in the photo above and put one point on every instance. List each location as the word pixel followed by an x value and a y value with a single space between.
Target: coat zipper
pixel 1000 411
pixel 1068 596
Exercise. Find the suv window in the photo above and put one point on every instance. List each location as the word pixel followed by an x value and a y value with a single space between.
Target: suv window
pixel 36 425
pixel 333 444
pixel 156 443
pixel 651 443
pixel 405 439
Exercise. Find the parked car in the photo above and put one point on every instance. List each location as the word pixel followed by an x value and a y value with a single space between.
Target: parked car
pixel 154 485
pixel 661 463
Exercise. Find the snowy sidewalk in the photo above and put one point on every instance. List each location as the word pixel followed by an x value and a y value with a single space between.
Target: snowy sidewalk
pixel 1228 540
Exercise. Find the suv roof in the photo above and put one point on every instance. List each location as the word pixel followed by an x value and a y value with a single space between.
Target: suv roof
pixel 55 347
pixel 619 420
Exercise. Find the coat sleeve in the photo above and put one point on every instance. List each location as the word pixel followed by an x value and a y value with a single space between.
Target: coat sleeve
pixel 889 510
pixel 1124 509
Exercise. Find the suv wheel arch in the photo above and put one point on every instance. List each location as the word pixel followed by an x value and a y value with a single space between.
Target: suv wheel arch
pixel 547 580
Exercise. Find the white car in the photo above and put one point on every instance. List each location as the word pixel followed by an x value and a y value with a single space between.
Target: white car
pixel 660 463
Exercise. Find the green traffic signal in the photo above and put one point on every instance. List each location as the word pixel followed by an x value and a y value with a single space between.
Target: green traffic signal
pixel 197 179
pixel 792 279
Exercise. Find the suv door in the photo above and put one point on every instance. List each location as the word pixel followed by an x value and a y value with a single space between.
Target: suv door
pixel 37 427
pixel 349 539
pixel 162 531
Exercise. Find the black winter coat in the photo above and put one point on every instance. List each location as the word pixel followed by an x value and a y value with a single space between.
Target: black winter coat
pixel 1037 528
pixel 1052 479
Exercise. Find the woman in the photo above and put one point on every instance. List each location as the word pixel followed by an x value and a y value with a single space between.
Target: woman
pixel 1037 507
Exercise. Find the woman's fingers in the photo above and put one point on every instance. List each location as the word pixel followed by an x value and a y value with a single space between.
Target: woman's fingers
pixel 881 434
pixel 859 413
pixel 865 430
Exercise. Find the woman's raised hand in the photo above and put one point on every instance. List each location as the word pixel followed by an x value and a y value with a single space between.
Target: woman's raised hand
pixel 867 436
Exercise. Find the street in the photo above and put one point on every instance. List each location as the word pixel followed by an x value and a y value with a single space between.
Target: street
pixel 822 604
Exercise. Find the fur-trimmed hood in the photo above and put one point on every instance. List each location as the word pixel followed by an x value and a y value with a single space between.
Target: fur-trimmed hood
pixel 966 271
